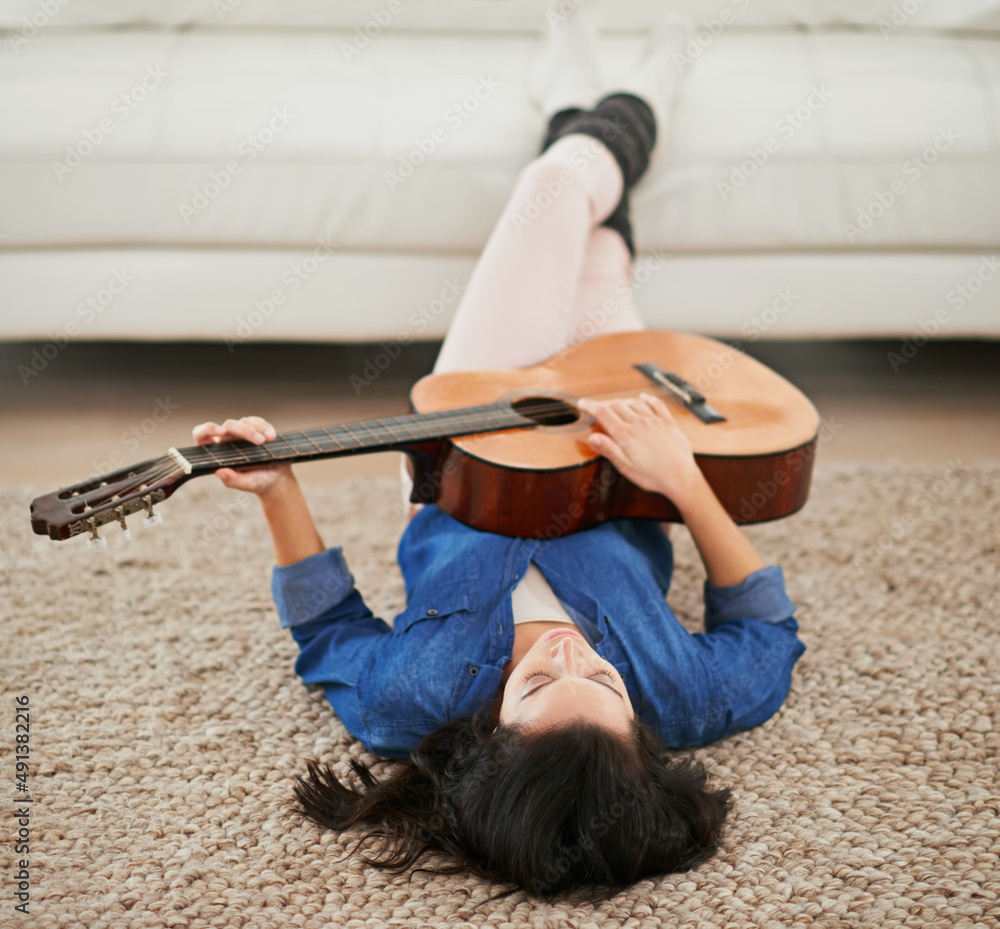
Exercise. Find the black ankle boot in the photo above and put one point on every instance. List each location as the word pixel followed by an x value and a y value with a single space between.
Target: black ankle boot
pixel 557 123
pixel 620 220
pixel 630 133
pixel 627 127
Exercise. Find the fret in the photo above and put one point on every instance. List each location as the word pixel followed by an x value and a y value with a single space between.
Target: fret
pixel 336 442
pixel 504 422
pixel 321 441
pixel 308 438
pixel 206 456
pixel 399 423
pixel 378 439
pixel 208 451
pixel 414 428
pixel 258 454
pixel 417 427
pixel 347 428
pixel 294 450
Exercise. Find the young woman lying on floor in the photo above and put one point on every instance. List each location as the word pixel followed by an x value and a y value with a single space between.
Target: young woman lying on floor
pixel 538 690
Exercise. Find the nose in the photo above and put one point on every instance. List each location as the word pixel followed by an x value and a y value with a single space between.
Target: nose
pixel 566 651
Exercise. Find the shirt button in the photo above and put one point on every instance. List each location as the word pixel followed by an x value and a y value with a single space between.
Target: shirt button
pixel 432 612
pixel 473 671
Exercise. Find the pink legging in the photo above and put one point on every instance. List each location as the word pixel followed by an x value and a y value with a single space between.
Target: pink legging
pixel 550 275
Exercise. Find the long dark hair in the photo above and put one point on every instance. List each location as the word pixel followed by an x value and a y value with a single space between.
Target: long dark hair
pixel 571 809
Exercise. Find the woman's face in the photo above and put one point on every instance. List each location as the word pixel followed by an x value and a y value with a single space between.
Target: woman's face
pixel 563 678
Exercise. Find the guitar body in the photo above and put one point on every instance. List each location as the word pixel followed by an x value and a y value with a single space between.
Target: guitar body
pixel 546 481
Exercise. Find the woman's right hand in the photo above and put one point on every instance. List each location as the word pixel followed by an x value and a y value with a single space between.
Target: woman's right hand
pixel 260 479
pixel 642 440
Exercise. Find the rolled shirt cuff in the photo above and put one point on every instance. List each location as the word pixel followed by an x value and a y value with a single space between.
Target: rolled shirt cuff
pixel 761 596
pixel 308 588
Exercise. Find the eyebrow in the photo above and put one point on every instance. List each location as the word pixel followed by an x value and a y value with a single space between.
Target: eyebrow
pixel 610 687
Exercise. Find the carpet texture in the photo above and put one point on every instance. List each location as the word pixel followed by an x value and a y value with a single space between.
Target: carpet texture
pixel 167 724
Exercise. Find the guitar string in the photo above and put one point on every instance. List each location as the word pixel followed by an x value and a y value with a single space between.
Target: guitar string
pixel 466 416
pixel 458 416
pixel 220 456
pixel 223 456
pixel 224 453
pixel 167 466
pixel 164 467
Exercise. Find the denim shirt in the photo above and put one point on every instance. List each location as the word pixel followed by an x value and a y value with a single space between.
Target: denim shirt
pixel 444 655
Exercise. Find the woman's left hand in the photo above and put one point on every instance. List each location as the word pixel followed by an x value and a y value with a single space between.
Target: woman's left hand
pixel 642 440
pixel 260 479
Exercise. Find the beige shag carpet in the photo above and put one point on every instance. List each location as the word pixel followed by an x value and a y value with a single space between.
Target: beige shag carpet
pixel 167 724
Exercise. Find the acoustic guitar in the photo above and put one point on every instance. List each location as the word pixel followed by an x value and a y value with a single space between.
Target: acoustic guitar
pixel 506 452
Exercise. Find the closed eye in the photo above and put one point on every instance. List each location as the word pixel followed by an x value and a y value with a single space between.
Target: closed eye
pixel 531 675
pixel 593 677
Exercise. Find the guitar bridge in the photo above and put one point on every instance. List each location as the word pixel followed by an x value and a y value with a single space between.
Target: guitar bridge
pixel 692 398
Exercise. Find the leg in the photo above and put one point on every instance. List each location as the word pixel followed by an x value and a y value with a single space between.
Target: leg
pixel 524 295
pixel 603 303
pixel 517 308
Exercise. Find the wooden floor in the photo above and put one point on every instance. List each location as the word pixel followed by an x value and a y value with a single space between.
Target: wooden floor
pixel 91 407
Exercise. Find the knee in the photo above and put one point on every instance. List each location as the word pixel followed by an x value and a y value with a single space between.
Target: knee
pixel 578 167
pixel 608 257
pixel 546 179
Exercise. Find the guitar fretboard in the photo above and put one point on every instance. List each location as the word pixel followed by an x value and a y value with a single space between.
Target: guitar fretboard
pixel 368 435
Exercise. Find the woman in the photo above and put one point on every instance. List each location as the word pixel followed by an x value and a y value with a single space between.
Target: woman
pixel 534 687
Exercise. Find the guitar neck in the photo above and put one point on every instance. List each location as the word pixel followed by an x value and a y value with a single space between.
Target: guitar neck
pixel 372 435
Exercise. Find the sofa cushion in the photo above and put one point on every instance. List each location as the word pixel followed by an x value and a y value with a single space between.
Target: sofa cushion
pixel 234 296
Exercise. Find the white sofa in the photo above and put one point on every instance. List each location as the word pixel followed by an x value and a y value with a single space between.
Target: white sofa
pixel 234 169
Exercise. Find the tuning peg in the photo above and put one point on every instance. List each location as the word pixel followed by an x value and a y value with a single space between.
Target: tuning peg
pixel 120 514
pixel 152 519
pixel 95 541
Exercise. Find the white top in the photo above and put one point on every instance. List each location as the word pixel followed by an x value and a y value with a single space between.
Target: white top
pixel 533 599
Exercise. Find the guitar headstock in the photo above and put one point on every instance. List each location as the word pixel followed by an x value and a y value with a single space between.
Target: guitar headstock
pixel 92 503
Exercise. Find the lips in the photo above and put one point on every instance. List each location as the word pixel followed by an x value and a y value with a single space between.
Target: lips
pixel 558 632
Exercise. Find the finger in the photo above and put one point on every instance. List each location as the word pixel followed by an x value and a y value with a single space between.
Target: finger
pixel 642 410
pixel 604 445
pixel 241 429
pixel 263 426
pixel 603 413
pixel 658 406
pixel 628 410
pixel 258 432
pixel 203 433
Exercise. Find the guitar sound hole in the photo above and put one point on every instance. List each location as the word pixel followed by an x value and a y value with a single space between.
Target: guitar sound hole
pixel 546 411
